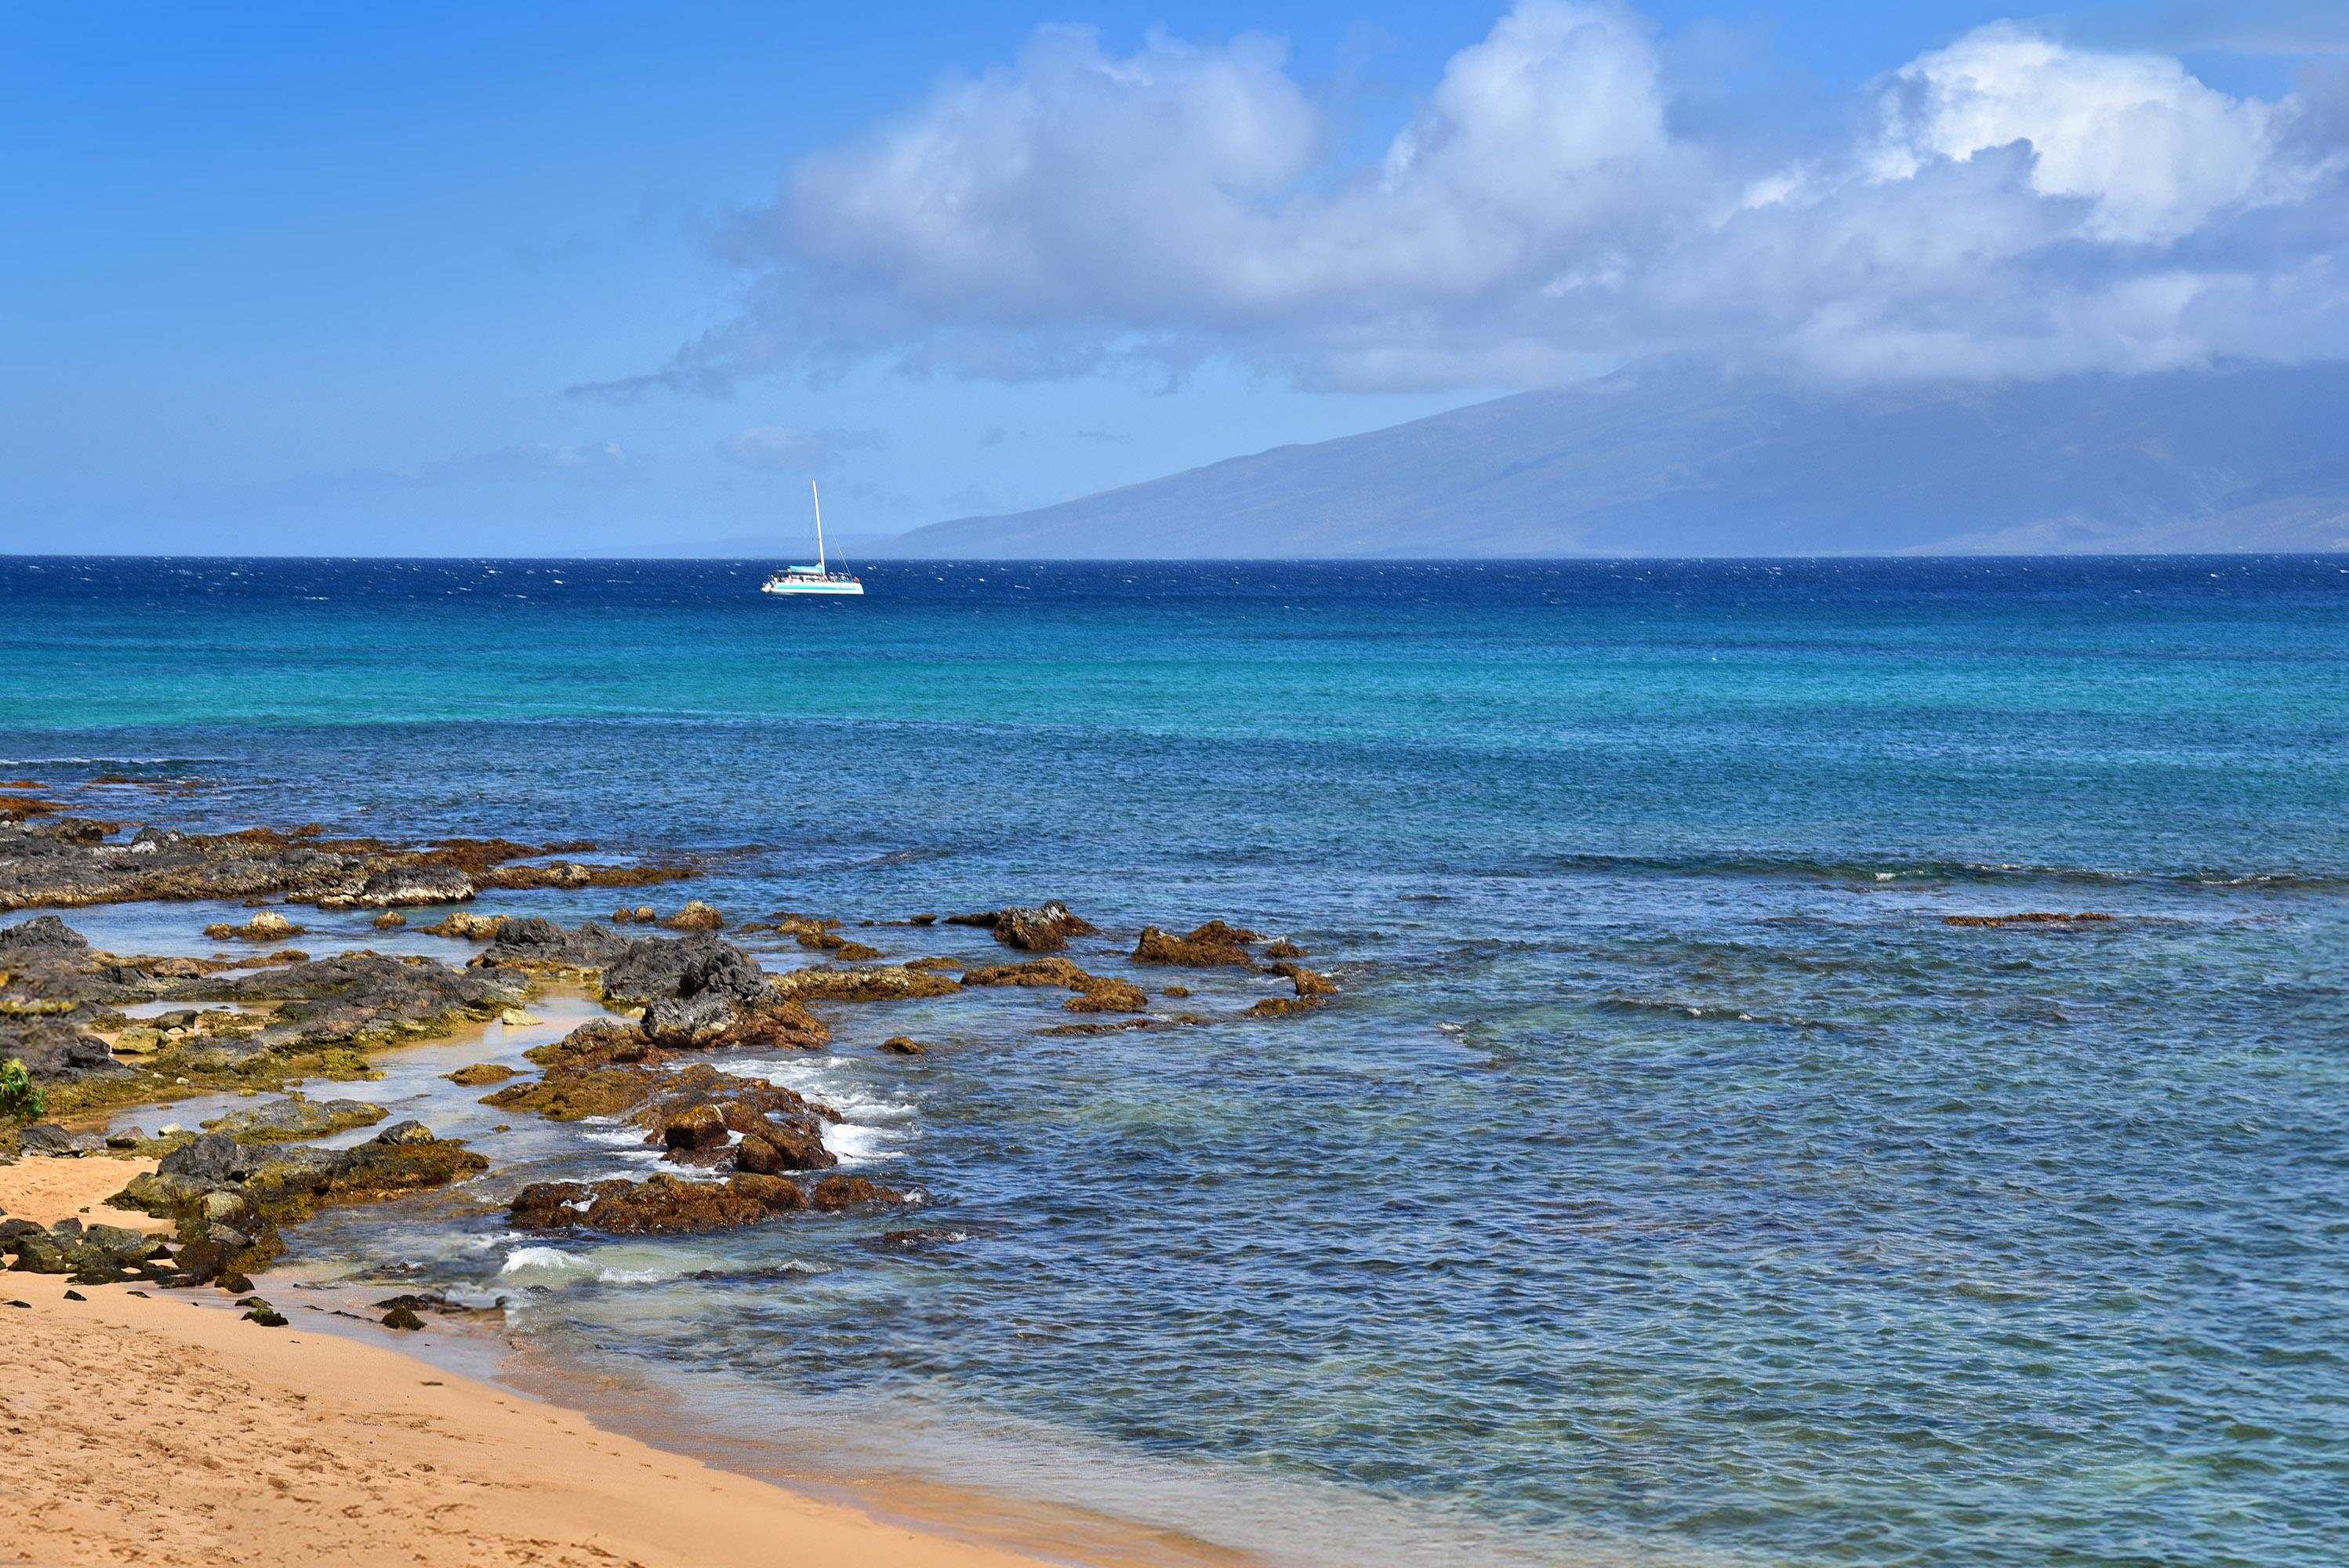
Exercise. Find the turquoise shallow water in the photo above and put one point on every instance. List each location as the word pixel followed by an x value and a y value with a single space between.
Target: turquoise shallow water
pixel 1670 1177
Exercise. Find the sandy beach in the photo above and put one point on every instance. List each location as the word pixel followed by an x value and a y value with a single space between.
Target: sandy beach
pixel 167 1429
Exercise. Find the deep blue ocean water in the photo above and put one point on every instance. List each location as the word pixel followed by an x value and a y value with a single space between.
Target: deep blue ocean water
pixel 1669 1182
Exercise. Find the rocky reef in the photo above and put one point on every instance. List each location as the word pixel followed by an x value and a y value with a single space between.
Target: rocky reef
pixel 745 1151
pixel 64 860
pixel 1046 928
pixel 227 1198
pixel 1094 993
pixel 1204 947
pixel 666 1205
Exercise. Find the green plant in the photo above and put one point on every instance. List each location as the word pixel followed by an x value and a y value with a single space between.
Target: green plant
pixel 20 1099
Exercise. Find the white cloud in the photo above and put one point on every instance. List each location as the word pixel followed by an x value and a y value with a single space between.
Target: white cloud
pixel 801 451
pixel 2011 205
pixel 2156 152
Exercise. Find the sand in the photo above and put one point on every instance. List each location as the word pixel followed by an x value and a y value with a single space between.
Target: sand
pixel 48 1191
pixel 167 1429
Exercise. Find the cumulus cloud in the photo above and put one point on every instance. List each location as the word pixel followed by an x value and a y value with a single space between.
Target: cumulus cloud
pixel 2155 153
pixel 801 451
pixel 2009 204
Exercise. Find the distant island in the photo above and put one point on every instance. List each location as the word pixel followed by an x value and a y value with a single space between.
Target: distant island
pixel 1672 459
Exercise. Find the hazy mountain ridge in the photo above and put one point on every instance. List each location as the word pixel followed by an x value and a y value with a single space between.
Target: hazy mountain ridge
pixel 1678 460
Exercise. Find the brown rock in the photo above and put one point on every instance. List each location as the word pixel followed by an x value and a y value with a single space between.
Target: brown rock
pixel 880 982
pixel 266 926
pixel 834 1193
pixel 900 1046
pixel 1308 982
pixel 696 1126
pixel 658 1205
pixel 696 916
pixel 2034 917
pixel 1208 946
pixel 477 1074
pixel 1094 993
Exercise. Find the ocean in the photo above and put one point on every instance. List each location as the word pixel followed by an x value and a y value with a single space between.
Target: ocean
pixel 1669 1183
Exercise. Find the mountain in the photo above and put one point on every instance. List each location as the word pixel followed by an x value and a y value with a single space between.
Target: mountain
pixel 1673 460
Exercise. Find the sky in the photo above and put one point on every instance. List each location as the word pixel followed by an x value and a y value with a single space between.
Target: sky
pixel 497 280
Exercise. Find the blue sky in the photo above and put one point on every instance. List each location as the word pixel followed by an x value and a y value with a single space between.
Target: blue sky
pixel 495 279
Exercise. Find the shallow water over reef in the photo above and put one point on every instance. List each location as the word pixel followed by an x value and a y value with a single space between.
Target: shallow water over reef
pixel 1669 1182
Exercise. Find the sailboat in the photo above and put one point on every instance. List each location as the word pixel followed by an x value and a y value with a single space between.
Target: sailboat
pixel 815 578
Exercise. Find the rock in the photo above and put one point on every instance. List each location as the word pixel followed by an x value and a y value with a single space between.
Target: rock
pixel 266 926
pixel 1283 948
pixel 1045 928
pixel 227 1196
pixel 468 926
pixel 1095 992
pixel 880 982
pixel 295 1117
pixel 357 998
pixel 1281 1007
pixel 658 1205
pixel 573 1096
pixel 515 1018
pixel 42 933
pixel 1209 945
pixel 402 1317
pixel 696 916
pixel 687 1021
pixel 122 1243
pixel 211 1157
pixel 266 1315
pixel 665 1205
pixel 479 1073
pixel 1308 982
pixel 699 1126
pixel 541 945
pixel 900 1046
pixel 47 1137
pixel 647 970
pixel 67 860
pixel 391 920
pixel 834 1193
pixel 55 1050
pixel 411 884
pixel 769 1154
pixel 2034 917
pixel 41 1254
pixel 225 1206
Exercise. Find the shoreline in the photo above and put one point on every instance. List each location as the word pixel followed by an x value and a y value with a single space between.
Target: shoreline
pixel 371 1015
pixel 366 1453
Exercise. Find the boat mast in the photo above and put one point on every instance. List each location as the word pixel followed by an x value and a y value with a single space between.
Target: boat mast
pixel 818 497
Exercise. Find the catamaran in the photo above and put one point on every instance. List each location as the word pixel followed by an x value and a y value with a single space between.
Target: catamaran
pixel 813 579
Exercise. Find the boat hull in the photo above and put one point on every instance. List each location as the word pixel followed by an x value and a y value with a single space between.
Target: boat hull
pixel 814 587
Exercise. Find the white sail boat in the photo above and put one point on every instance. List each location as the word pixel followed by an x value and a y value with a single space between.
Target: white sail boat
pixel 815 578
